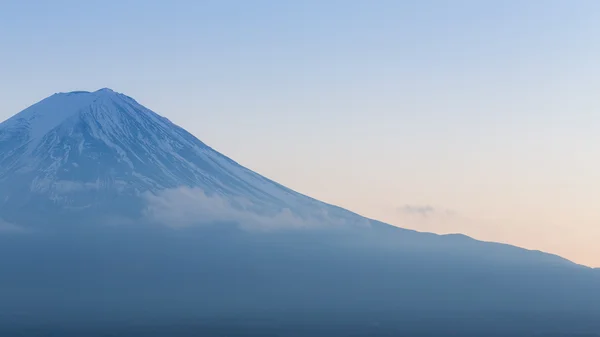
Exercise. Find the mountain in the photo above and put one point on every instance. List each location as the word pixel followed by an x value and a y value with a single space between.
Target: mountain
pixel 110 212
pixel 102 151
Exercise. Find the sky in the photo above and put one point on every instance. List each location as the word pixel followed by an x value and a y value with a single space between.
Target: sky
pixel 478 117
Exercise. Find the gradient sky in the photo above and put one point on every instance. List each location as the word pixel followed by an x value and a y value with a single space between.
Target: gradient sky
pixel 480 117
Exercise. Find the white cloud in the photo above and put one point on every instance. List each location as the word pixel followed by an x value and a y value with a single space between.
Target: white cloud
pixel 424 211
pixel 7 227
pixel 184 207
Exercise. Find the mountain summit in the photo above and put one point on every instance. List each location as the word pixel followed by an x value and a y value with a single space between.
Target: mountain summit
pixel 102 152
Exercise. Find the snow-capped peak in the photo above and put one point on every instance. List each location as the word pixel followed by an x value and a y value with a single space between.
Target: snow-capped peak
pixel 37 120
pixel 105 91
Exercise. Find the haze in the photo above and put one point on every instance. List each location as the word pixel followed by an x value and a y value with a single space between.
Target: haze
pixel 472 117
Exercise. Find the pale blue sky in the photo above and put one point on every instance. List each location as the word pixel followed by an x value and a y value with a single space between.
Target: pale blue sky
pixel 486 111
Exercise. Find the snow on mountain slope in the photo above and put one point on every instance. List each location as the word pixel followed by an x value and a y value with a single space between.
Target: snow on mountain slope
pixel 103 150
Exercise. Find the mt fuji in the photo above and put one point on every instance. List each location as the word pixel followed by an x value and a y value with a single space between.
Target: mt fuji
pixel 111 213
pixel 98 153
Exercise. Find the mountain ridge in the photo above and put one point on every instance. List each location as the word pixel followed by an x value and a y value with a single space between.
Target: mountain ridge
pixel 57 142
pixel 79 149
pixel 111 213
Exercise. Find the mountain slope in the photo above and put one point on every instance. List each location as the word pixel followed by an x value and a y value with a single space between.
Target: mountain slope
pixel 108 139
pixel 85 156
pixel 100 156
pixel 85 150
pixel 82 158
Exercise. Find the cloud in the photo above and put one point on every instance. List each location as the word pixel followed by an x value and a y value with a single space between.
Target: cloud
pixel 430 218
pixel 184 207
pixel 422 210
pixel 427 217
pixel 7 227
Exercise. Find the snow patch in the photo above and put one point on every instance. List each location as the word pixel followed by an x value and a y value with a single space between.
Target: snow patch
pixel 66 186
pixel 42 117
